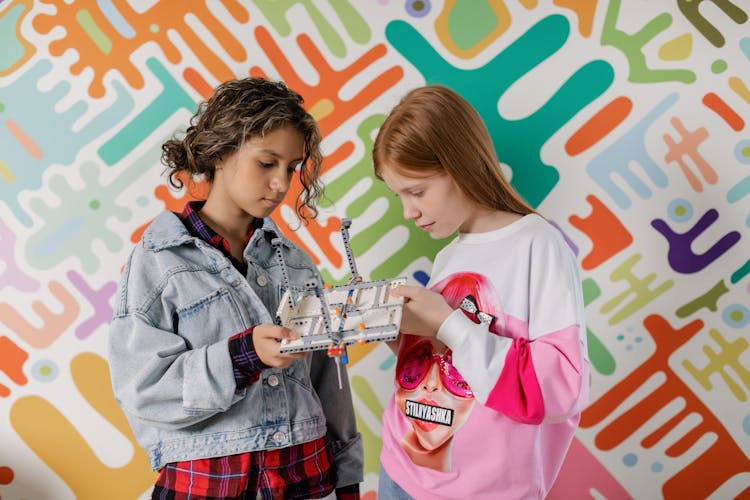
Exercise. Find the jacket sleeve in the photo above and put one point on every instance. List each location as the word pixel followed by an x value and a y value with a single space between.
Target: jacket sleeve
pixel 536 371
pixel 159 381
pixel 342 435
pixel 157 377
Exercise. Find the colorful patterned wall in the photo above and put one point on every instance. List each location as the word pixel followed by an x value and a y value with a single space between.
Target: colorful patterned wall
pixel 624 122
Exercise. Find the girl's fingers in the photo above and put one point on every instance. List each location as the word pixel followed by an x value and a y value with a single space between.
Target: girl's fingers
pixel 406 291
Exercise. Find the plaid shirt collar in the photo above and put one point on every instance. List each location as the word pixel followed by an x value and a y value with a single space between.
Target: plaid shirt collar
pixel 198 228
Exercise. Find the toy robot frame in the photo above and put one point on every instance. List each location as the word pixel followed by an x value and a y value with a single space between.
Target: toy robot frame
pixel 334 317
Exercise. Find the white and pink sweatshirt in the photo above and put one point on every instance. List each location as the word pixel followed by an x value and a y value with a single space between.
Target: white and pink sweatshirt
pixel 498 422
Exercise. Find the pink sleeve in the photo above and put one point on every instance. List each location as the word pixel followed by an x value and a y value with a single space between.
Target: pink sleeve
pixel 542 379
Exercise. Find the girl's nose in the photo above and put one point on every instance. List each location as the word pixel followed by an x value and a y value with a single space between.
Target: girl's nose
pixel 410 212
pixel 431 382
pixel 280 180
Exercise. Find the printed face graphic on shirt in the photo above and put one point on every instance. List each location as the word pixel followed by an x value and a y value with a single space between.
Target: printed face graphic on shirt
pixel 431 393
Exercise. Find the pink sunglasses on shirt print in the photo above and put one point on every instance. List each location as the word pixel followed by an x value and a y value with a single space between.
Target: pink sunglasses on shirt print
pixel 414 365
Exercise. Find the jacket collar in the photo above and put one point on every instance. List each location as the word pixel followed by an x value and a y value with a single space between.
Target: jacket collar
pixel 167 231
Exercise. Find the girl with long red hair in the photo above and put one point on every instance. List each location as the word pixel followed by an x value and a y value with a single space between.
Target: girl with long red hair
pixel 492 370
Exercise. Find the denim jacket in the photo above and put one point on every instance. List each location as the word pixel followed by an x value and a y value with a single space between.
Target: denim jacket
pixel 178 303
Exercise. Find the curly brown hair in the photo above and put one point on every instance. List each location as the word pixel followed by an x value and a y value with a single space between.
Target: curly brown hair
pixel 237 111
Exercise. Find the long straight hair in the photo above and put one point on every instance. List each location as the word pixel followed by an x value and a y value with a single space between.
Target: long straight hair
pixel 433 129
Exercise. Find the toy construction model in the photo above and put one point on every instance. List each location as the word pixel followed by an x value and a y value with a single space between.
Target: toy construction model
pixel 333 317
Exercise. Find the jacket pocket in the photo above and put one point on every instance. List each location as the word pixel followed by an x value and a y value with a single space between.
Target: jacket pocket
pixel 299 374
pixel 209 319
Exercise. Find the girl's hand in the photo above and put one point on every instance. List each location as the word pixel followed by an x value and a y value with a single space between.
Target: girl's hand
pixel 393 344
pixel 267 341
pixel 424 310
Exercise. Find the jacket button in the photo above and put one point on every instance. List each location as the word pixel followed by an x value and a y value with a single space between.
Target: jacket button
pixel 273 380
pixel 261 280
pixel 236 283
pixel 279 437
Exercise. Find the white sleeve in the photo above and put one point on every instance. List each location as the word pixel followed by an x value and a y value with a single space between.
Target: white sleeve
pixel 477 354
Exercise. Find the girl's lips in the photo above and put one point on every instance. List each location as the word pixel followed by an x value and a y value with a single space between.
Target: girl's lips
pixel 426 426
pixel 427 227
pixel 271 202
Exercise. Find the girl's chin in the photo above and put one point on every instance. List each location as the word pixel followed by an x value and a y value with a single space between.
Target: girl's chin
pixel 441 233
pixel 431 442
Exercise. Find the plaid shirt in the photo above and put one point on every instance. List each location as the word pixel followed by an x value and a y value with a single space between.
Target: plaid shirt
pixel 300 471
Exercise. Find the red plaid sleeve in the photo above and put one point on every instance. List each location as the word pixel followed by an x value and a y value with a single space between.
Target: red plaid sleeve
pixel 247 366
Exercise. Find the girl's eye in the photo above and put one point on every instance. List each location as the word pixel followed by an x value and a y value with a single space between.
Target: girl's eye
pixel 417 194
pixel 461 384
pixel 266 165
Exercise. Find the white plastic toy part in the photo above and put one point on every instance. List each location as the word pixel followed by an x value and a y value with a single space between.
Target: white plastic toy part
pixel 332 318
